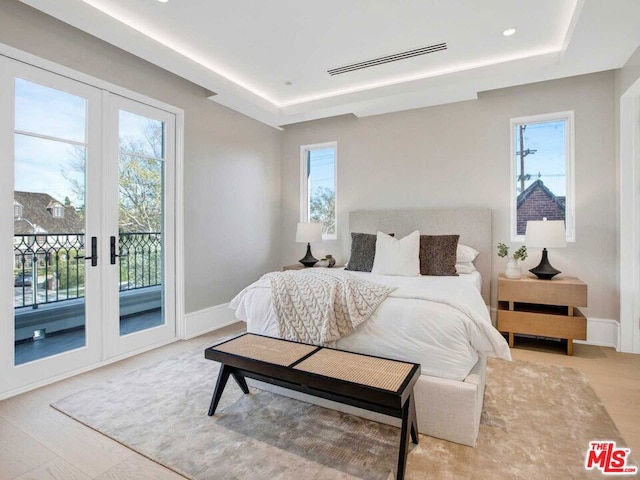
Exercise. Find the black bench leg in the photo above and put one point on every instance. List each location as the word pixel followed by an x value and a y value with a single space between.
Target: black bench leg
pixel 223 376
pixel 413 420
pixel 242 383
pixel 409 428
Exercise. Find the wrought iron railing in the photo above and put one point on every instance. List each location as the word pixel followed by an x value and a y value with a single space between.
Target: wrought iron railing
pixel 140 260
pixel 50 267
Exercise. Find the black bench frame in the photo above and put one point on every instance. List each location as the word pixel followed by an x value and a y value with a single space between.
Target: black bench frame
pixel 398 404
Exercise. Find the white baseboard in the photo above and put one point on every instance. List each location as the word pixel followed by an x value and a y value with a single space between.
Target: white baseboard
pixel 603 332
pixel 207 320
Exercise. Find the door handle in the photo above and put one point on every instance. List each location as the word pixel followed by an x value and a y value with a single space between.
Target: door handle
pixel 94 252
pixel 113 248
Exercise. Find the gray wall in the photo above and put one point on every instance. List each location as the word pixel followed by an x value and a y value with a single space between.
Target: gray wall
pixel 231 167
pixel 242 183
pixel 458 155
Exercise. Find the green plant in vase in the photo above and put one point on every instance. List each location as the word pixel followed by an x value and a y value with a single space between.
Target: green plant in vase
pixel 513 268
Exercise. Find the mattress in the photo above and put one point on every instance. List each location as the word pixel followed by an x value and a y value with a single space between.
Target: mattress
pixel 442 323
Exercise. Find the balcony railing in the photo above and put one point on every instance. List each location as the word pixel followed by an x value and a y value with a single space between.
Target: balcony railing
pixel 50 267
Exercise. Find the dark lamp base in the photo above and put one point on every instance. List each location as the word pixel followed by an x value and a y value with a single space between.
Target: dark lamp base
pixel 544 270
pixel 308 260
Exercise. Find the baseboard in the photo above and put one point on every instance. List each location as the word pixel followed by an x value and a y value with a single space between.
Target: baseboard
pixel 603 332
pixel 207 320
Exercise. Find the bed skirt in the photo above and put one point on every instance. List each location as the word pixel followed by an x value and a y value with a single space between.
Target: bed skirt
pixel 446 409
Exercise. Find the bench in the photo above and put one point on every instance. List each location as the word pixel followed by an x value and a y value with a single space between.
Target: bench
pixel 372 383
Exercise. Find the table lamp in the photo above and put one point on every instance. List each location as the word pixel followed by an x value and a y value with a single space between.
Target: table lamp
pixel 546 234
pixel 309 232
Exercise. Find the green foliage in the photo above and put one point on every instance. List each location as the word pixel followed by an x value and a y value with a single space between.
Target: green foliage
pixel 69 270
pixel 519 254
pixel 323 209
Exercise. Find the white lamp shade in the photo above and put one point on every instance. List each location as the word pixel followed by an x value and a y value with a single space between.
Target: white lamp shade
pixel 309 232
pixel 546 234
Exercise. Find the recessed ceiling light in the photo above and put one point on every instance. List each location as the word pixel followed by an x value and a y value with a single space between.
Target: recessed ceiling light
pixel 508 32
pixel 163 1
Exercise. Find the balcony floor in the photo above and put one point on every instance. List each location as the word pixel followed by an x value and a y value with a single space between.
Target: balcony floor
pixel 72 339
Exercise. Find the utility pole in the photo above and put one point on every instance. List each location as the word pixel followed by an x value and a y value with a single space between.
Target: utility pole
pixel 523 153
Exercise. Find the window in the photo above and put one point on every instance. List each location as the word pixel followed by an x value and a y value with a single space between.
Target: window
pixel 542 184
pixel 318 186
pixel 58 211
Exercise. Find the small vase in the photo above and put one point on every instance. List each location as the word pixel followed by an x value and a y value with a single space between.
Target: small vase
pixel 513 269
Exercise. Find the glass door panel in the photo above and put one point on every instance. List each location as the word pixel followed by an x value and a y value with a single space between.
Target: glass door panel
pixel 88 278
pixel 49 221
pixel 140 222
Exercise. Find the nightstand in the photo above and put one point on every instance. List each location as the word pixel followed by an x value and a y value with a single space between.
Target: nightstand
pixel 295 266
pixel 545 308
pixel 299 266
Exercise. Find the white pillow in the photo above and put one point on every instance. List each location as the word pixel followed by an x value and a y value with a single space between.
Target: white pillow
pixel 465 254
pixel 466 267
pixel 397 257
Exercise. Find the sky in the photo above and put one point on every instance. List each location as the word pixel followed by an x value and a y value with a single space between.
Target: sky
pixel 322 162
pixel 40 162
pixel 548 139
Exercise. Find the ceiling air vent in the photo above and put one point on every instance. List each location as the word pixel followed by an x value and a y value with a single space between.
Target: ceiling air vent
pixel 389 58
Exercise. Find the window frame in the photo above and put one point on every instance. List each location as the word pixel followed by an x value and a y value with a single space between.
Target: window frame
pixel 568 117
pixel 304 183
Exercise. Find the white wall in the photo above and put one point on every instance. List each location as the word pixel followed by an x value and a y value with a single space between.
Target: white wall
pixel 458 155
pixel 231 168
pixel 627 115
pixel 241 201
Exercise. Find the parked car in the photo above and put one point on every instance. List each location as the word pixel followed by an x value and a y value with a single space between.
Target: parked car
pixel 23 279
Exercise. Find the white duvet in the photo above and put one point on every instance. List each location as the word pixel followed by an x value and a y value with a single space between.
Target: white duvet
pixel 442 323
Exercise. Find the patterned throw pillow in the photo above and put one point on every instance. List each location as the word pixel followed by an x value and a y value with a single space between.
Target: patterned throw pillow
pixel 363 252
pixel 438 255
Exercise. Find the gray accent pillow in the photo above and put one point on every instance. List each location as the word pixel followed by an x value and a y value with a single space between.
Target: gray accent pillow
pixel 438 255
pixel 363 252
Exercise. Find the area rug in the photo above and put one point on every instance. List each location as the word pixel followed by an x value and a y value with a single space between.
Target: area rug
pixel 537 422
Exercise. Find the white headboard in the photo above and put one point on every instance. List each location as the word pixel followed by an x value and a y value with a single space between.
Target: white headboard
pixel 472 224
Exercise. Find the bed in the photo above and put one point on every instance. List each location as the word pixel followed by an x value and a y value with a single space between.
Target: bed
pixel 440 322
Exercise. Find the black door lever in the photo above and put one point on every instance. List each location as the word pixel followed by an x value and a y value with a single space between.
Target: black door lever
pixel 113 247
pixel 94 252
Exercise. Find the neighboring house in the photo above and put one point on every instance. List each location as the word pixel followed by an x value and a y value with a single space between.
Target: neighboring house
pixel 536 203
pixel 48 214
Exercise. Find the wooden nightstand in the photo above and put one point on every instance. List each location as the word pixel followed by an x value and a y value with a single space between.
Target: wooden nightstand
pixel 295 266
pixel 545 308
pixel 299 266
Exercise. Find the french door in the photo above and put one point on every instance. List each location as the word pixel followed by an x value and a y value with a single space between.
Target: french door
pixel 90 177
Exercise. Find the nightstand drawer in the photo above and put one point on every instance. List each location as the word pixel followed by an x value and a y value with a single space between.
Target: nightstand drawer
pixel 559 291
pixel 546 325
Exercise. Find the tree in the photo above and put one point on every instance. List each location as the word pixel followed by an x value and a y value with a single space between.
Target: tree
pixel 322 208
pixel 140 185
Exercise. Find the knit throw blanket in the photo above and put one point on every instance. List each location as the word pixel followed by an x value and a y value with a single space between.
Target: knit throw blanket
pixel 319 305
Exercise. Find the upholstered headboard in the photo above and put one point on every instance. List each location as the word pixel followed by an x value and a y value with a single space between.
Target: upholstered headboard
pixel 472 224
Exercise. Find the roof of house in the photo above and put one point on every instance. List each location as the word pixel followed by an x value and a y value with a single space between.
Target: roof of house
pixel 538 185
pixel 38 208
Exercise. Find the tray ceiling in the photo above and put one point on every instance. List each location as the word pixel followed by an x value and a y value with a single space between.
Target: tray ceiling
pixel 271 60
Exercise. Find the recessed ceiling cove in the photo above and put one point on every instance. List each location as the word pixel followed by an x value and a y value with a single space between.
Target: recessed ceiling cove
pixel 286 61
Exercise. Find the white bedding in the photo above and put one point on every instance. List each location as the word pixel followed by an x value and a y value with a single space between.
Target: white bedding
pixel 440 322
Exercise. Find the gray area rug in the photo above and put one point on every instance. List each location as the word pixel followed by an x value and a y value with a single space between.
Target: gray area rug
pixel 537 423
